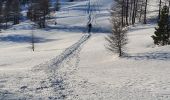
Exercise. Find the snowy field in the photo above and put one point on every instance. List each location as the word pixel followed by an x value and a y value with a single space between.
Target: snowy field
pixel 69 64
pixel 16 52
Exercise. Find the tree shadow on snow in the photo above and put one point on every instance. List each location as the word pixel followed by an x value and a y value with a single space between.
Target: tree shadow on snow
pixel 6 95
pixel 148 26
pixel 84 8
pixel 150 56
pixel 152 20
pixel 23 39
pixel 78 29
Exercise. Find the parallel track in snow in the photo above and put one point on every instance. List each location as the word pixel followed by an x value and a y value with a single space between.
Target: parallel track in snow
pixel 57 78
pixel 55 62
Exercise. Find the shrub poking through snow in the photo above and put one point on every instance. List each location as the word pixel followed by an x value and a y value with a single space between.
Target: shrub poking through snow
pixel 118 39
pixel 162 33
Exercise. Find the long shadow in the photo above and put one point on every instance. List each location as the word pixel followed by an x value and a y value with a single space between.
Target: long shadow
pixel 133 29
pixel 57 17
pixel 84 8
pixel 152 20
pixel 77 29
pixel 7 95
pixel 150 56
pixel 23 39
pixel 79 7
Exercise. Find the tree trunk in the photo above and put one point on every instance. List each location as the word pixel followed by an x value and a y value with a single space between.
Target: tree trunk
pixel 146 3
pixel 127 12
pixel 134 11
pixel 160 4
pixel 123 12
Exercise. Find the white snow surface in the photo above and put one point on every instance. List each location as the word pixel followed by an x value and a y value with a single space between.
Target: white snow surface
pixel 69 64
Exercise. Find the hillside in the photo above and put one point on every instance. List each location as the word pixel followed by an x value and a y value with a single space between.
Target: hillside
pixel 70 64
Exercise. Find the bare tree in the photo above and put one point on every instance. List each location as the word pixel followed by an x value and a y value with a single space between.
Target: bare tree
pixel 127 12
pixel 32 41
pixel 37 12
pixel 15 11
pixel 32 37
pixel 118 39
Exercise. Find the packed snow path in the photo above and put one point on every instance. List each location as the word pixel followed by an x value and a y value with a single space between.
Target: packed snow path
pixel 86 70
pixel 53 85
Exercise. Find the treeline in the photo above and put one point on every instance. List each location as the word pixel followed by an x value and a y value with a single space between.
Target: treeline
pixel 130 11
pixel 123 14
pixel 9 11
pixel 37 10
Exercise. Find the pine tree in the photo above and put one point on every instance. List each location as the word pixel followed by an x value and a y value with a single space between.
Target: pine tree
pixel 162 32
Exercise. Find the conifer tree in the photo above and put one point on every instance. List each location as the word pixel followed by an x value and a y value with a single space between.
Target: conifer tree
pixel 162 32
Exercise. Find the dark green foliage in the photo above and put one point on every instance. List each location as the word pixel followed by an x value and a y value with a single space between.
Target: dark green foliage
pixel 162 32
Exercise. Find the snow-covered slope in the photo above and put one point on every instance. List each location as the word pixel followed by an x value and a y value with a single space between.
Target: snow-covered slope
pixel 143 75
pixel 69 64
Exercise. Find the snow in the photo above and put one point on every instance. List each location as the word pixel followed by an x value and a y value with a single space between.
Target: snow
pixel 69 64
pixel 18 52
